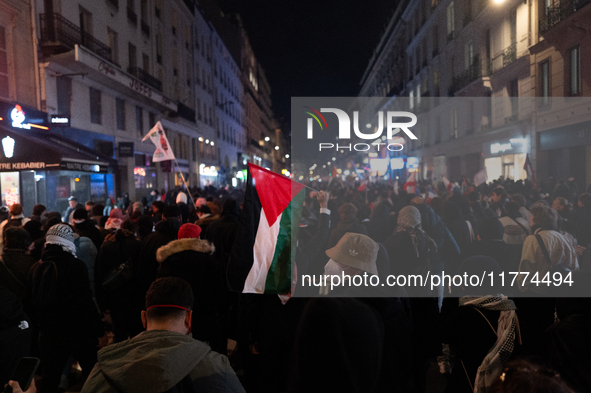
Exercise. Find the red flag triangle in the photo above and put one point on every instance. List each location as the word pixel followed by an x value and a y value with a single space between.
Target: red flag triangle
pixel 275 191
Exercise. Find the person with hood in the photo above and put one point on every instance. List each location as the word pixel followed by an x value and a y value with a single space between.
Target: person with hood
pixel 459 228
pixel 481 327
pixel 39 213
pixel 413 251
pixel 348 223
pixel 15 263
pixel 516 229
pixel 86 228
pixel 63 309
pixel 16 218
pixel 378 227
pixel 146 271
pixel 165 357
pixel 113 222
pixel 490 243
pixel 119 247
pixel 191 258
pixel 222 232
pixel 323 358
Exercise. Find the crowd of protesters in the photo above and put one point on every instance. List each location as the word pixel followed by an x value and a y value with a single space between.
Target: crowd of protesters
pixel 135 292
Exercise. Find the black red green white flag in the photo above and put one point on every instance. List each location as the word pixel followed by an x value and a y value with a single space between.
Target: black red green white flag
pixel 263 256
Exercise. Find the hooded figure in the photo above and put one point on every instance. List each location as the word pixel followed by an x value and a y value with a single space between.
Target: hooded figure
pixel 413 251
pixel 191 258
pixel 459 228
pixel 378 226
pixel 222 232
pixel 334 365
pixel 348 223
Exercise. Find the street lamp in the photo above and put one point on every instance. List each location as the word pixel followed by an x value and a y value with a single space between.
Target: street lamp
pixel 267 139
pixel 276 147
pixel 287 156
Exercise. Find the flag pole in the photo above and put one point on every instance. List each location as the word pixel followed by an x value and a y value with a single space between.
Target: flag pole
pixel 184 182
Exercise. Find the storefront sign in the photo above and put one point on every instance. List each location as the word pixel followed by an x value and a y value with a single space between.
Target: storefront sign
pixel 21 117
pixel 21 165
pixel 126 149
pixel 60 121
pixel 77 166
pixel 8 146
pixel 515 145
pixel 568 136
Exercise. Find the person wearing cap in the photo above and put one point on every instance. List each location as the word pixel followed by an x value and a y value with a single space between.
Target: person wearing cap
pixel 164 357
pixel 146 271
pixel 16 219
pixel 191 258
pixel 72 203
pixel 62 308
pixel 85 227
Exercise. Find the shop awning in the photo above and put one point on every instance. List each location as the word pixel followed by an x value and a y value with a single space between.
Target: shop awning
pixel 29 150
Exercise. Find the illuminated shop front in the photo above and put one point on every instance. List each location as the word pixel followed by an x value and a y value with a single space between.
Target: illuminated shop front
pixel 208 175
pixel 37 166
pixel 506 158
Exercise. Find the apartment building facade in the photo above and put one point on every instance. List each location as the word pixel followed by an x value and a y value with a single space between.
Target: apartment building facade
pixel 489 49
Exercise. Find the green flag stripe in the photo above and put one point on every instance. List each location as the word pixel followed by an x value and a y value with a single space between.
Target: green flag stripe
pixel 279 274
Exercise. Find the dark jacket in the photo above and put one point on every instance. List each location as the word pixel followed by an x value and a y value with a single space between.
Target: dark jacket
pixel 73 310
pixel 165 232
pixel 343 227
pixel 156 361
pixel 582 217
pixel 193 261
pixel 119 247
pixel 19 264
pixel 457 226
pixel 222 232
pixel 89 230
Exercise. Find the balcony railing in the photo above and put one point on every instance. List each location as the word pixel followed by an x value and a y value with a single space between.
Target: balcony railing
pixel 145 28
pixel 559 11
pixel 473 72
pixel 60 35
pixel 145 77
pixel 131 16
pixel 510 54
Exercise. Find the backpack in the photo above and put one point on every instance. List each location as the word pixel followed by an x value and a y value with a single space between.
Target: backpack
pixel 44 292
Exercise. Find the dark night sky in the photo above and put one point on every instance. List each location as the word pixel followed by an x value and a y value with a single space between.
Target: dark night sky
pixel 312 48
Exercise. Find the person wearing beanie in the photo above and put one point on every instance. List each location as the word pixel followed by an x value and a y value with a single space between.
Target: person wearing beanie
pixel 191 258
pixel 62 307
pixel 16 218
pixel 348 223
pixel 146 270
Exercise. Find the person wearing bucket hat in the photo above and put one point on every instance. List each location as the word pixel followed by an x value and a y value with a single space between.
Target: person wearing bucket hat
pixel 354 251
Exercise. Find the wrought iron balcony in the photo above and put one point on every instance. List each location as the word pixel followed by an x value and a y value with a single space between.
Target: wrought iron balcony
pixel 559 11
pixel 145 77
pixel 59 35
pixel 186 112
pixel 510 54
pixel 473 72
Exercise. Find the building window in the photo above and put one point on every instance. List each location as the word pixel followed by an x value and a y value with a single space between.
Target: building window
pixel 469 54
pixel 113 44
pixel 139 120
pixel 4 90
pixel 151 119
pixel 575 70
pixel 545 82
pixel 514 94
pixel 120 108
pixel 95 106
pixel 132 56
pixel 453 123
pixel 64 95
pixel 450 21
pixel 146 62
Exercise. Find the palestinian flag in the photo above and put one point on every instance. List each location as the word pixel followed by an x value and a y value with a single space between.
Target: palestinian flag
pixel 263 256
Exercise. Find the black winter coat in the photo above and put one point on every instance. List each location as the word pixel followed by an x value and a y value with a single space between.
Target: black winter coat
pixel 192 260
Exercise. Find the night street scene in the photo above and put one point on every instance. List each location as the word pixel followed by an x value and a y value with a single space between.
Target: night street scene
pixel 295 196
